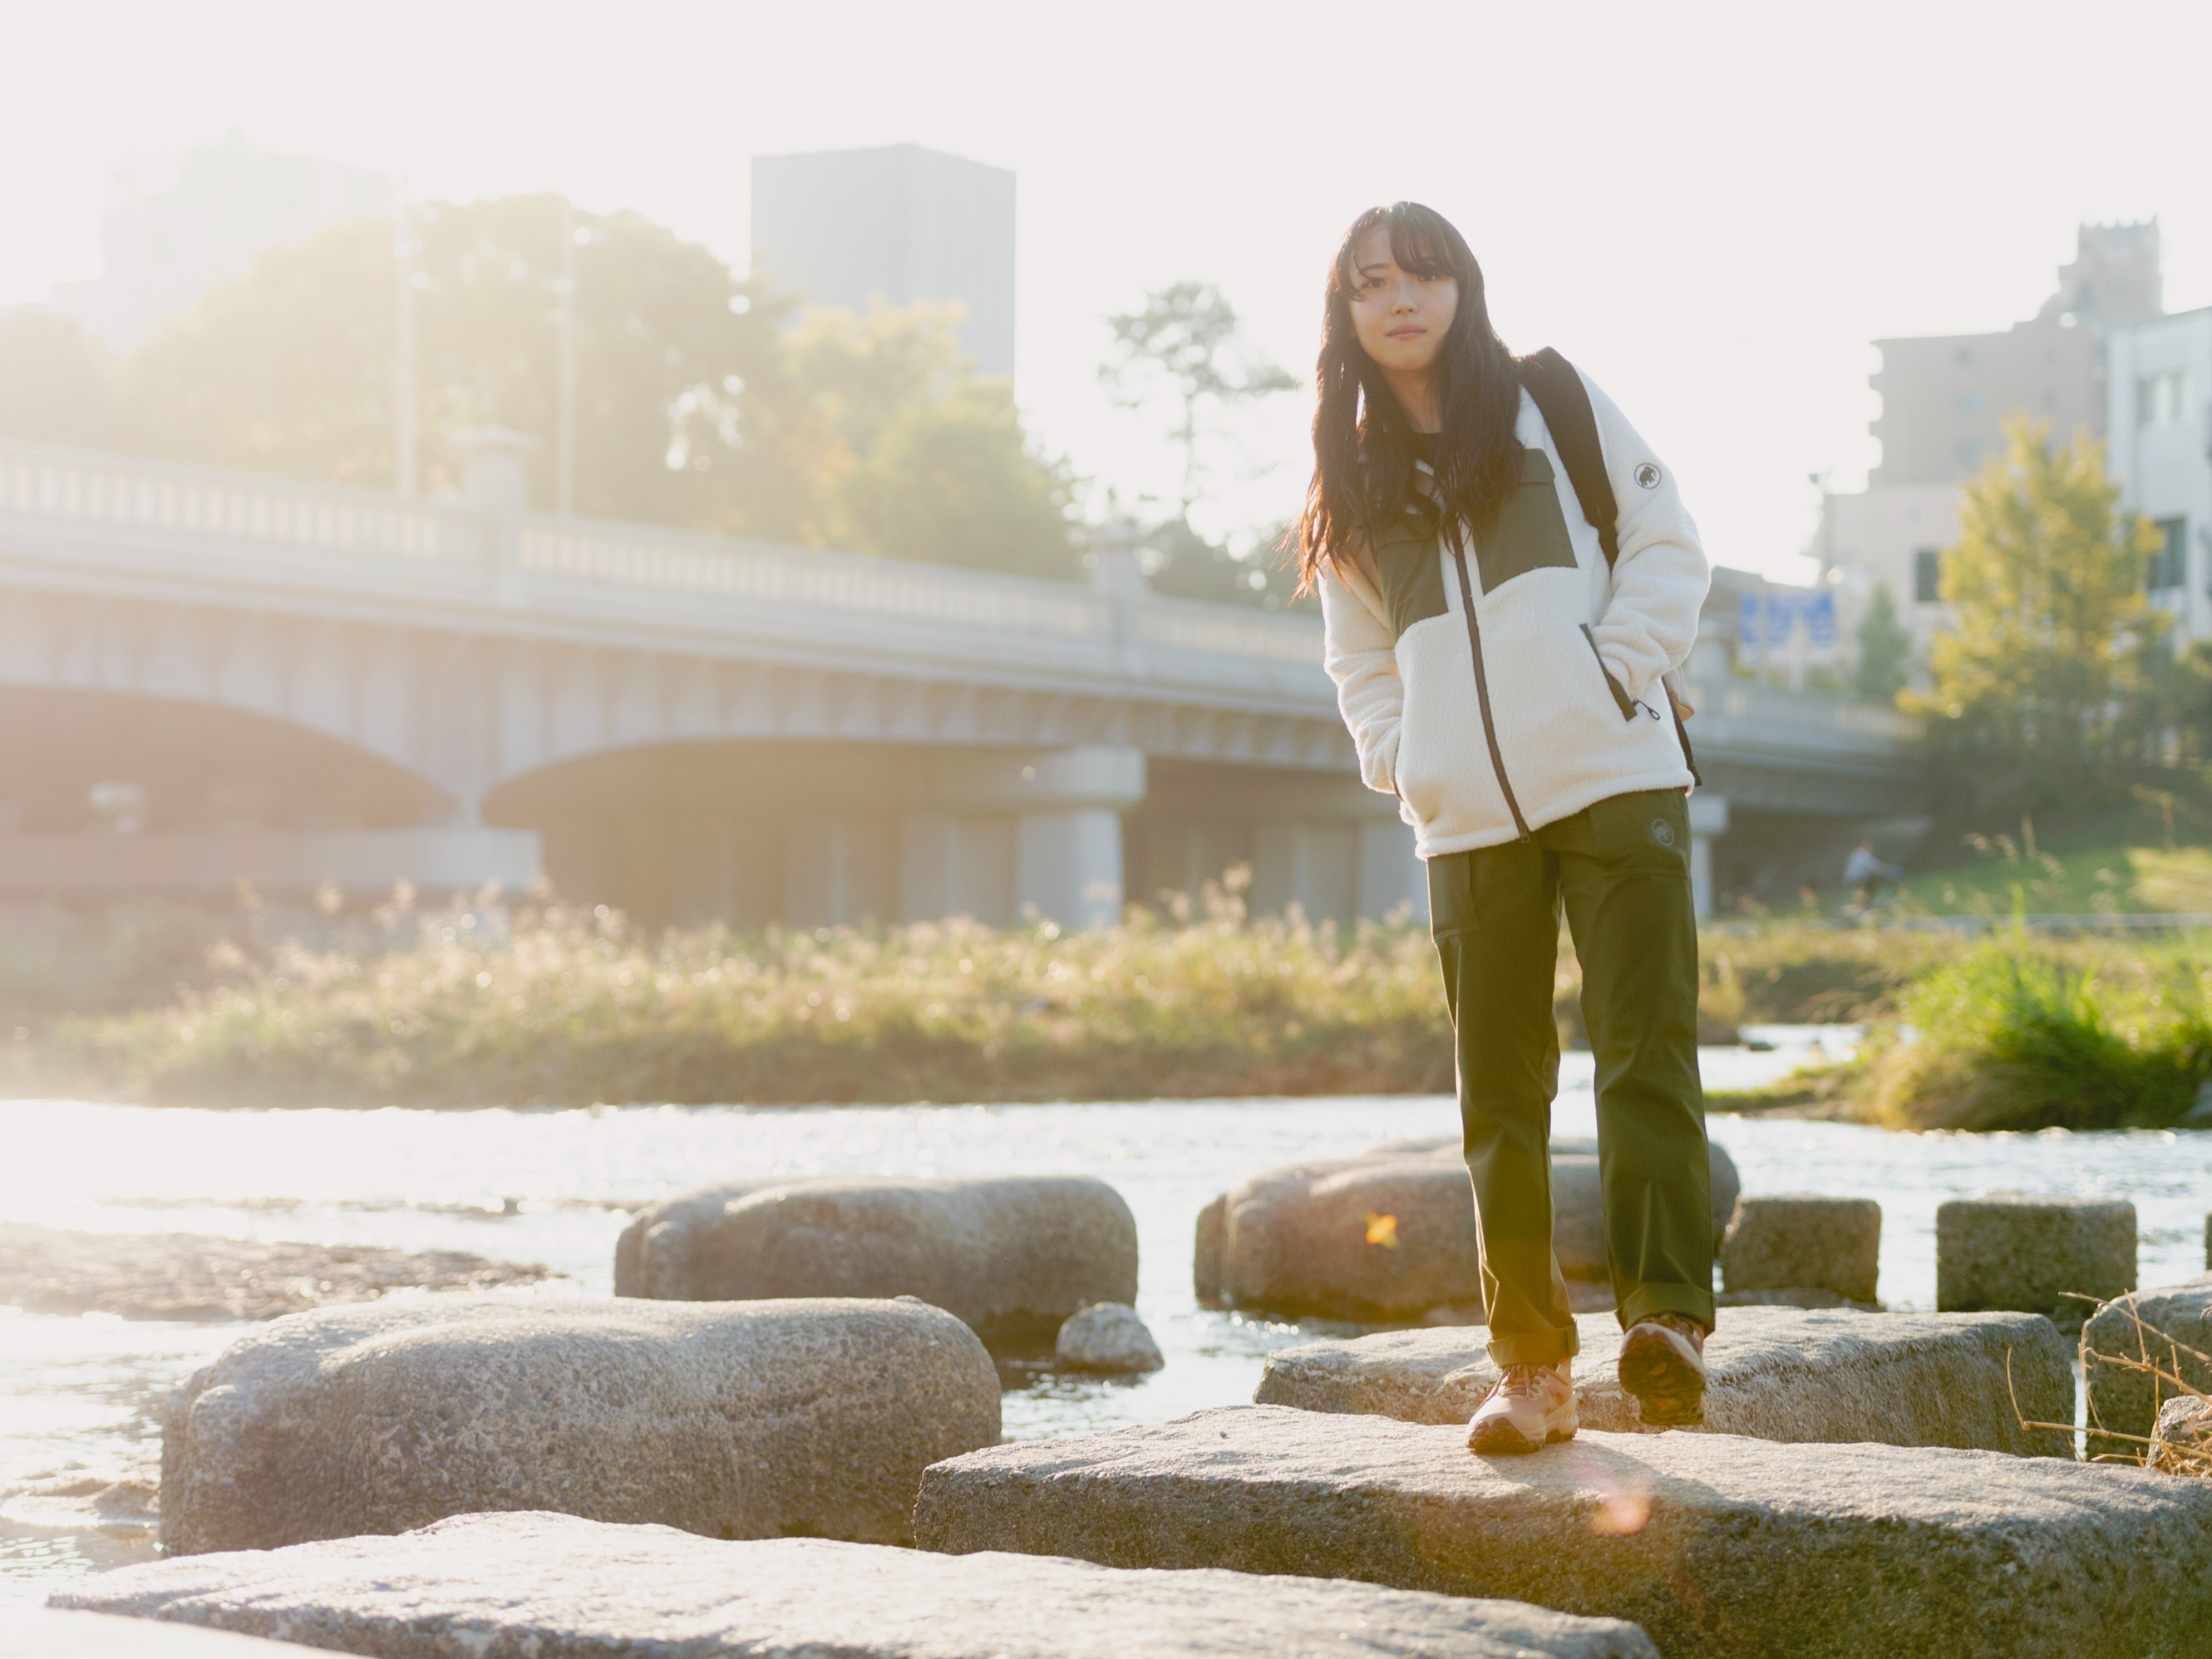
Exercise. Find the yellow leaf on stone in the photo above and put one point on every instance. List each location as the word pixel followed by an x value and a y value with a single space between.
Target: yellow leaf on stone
pixel 1382 1230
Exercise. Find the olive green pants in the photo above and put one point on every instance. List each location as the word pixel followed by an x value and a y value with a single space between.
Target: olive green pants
pixel 1623 869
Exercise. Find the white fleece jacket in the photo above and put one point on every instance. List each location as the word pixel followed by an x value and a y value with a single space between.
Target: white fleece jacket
pixel 1425 693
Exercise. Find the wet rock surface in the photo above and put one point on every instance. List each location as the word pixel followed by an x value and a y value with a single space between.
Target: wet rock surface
pixel 1108 1337
pixel 1718 1546
pixel 2158 1326
pixel 44 1633
pixel 1012 1255
pixel 1776 1374
pixel 732 1420
pixel 557 1588
pixel 1390 1234
pixel 2033 1253
pixel 192 1276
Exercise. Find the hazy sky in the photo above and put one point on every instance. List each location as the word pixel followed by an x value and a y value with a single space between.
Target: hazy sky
pixel 1712 208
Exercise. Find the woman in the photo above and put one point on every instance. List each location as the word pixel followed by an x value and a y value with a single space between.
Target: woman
pixel 1503 676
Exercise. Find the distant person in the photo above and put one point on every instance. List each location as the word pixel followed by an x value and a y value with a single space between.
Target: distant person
pixel 1867 875
pixel 1498 629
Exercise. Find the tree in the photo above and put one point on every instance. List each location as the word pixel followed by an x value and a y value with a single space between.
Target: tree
pixel 1192 567
pixel 1185 338
pixel 290 369
pixel 696 404
pixel 893 446
pixel 2051 642
pixel 56 382
pixel 1885 647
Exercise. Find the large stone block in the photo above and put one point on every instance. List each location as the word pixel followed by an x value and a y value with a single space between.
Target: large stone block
pixel 198 1276
pixel 1719 1546
pixel 40 1633
pixel 2035 1254
pixel 1803 1241
pixel 736 1421
pixel 1777 1374
pixel 2159 1326
pixel 2181 1443
pixel 549 1586
pixel 1389 1234
pixel 1012 1256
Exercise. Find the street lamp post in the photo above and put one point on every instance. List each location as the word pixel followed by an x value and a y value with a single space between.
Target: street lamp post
pixel 402 390
pixel 564 492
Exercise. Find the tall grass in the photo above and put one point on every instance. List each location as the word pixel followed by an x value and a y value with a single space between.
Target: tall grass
pixel 576 1007
pixel 2022 1034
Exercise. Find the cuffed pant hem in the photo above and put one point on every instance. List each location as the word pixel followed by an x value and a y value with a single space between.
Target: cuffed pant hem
pixel 1536 1347
pixel 1687 1300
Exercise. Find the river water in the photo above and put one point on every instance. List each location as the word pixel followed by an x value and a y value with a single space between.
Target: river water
pixel 80 1396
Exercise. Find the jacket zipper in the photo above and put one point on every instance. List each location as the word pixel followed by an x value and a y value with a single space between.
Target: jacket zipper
pixel 1482 692
pixel 1621 698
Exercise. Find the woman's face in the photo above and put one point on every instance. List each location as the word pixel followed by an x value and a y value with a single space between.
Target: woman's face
pixel 1401 318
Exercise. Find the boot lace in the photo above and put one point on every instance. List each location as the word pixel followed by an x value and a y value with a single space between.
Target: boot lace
pixel 1522 1382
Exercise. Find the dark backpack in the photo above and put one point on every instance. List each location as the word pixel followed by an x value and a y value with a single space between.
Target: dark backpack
pixel 1565 403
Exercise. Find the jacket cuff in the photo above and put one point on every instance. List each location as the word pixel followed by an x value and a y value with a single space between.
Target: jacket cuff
pixel 1624 676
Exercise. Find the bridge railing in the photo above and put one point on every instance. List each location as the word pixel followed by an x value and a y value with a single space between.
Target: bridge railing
pixel 126 493
pixel 750 581
pixel 766 572
pixel 1749 708
pixel 1225 631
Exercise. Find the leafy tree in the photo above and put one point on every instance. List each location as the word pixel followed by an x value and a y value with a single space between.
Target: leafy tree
pixel 1885 647
pixel 55 382
pixel 1189 566
pixel 952 480
pixel 290 369
pixel 1185 339
pixel 696 405
pixel 893 446
pixel 2049 654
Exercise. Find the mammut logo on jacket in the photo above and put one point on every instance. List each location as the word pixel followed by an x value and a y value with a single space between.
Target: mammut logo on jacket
pixel 1648 476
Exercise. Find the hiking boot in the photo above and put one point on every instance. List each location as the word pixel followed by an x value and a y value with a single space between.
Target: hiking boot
pixel 1526 1410
pixel 1662 1363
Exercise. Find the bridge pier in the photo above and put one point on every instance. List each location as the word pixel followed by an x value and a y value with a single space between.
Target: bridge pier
pixel 1708 821
pixel 1065 807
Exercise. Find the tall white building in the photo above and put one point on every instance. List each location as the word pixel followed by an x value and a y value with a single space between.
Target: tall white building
pixel 901 223
pixel 1944 403
pixel 2159 427
pixel 161 250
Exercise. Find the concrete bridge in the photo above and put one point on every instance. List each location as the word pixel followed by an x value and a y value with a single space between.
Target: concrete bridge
pixel 209 677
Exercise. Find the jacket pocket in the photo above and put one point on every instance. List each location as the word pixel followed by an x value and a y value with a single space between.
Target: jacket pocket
pixel 1531 532
pixel 1621 700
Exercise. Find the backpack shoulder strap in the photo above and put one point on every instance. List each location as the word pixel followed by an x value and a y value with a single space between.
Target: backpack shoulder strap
pixel 1565 403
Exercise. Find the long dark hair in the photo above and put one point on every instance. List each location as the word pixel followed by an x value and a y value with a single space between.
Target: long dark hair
pixel 1362 451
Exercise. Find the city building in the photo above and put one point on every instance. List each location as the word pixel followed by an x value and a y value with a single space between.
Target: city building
pixel 1944 400
pixel 901 223
pixel 160 249
pixel 2159 431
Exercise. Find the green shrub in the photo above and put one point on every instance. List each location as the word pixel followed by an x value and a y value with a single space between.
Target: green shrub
pixel 2016 1034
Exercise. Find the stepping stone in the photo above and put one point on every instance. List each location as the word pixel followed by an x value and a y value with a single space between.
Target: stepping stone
pixel 744 1419
pixel 1777 1374
pixel 1794 1243
pixel 2126 1402
pixel 40 1633
pixel 1012 1256
pixel 2034 1252
pixel 193 1276
pixel 1719 1546
pixel 553 1587
pixel 1389 1234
